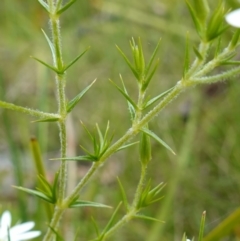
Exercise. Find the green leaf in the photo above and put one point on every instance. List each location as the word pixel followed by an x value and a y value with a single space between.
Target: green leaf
pixel 35 193
pixel 55 187
pixel 47 65
pixel 152 58
pixel 124 196
pixel 214 28
pixel 50 45
pixel 100 136
pixel 77 158
pixel 59 4
pixel 128 63
pixel 47 188
pixel 231 63
pixel 148 218
pixel 202 10
pixel 59 237
pixel 88 132
pixel 80 203
pixel 126 146
pixel 145 149
pixel 135 53
pixel 141 58
pixel 66 6
pixel 235 39
pixel 130 106
pixel 225 227
pixel 147 81
pixel 153 100
pixel 198 54
pixel 46 120
pixel 44 4
pixel 201 231
pixel 75 60
pixel 72 103
pixel 95 226
pixel 186 58
pixel 125 95
pixel 154 136
pixel 110 222
pixel 194 16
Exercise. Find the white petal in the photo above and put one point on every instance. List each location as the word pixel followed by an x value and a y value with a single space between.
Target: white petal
pixel 233 18
pixel 5 223
pixel 25 236
pixel 22 228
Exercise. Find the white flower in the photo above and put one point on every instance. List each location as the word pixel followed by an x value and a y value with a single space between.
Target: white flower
pixel 18 232
pixel 233 18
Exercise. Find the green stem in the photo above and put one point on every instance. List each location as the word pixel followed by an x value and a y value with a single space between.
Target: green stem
pixel 35 113
pixel 60 82
pixel 133 210
pixel 126 137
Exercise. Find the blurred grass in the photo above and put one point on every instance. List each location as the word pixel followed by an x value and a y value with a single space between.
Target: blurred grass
pixel 211 179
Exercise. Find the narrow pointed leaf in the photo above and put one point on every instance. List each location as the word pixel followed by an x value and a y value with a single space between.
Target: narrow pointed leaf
pixel 110 222
pixel 45 185
pixel 152 57
pixel 195 19
pixel 148 218
pixel 124 196
pixel 153 100
pixel 128 62
pixel 76 59
pixel 100 136
pixel 50 45
pixel 77 158
pixel 44 4
pixel 88 152
pixel 186 58
pixel 58 236
pixel 235 39
pixel 145 149
pixel 141 58
pixel 47 65
pixel 72 103
pixel 66 6
pixel 147 81
pixel 95 226
pixel 231 63
pixel 80 203
pixel 202 225
pixel 199 56
pixel 106 132
pixel 88 132
pixel 59 4
pixel 126 146
pixel 46 120
pixel 130 106
pixel 35 193
pixel 154 136
pixel 55 186
pixel 125 95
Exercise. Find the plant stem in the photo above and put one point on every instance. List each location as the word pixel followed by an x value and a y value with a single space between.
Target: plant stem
pixel 60 82
pixel 133 210
pixel 28 111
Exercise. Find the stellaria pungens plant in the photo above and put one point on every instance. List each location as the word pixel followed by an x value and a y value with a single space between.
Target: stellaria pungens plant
pixel 210 26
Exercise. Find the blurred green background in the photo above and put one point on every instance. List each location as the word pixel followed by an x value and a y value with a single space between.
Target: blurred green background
pixel 210 179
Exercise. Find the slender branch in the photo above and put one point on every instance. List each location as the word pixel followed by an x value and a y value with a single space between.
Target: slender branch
pixel 35 113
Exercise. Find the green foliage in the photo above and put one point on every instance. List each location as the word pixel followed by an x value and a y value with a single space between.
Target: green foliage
pixel 204 69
